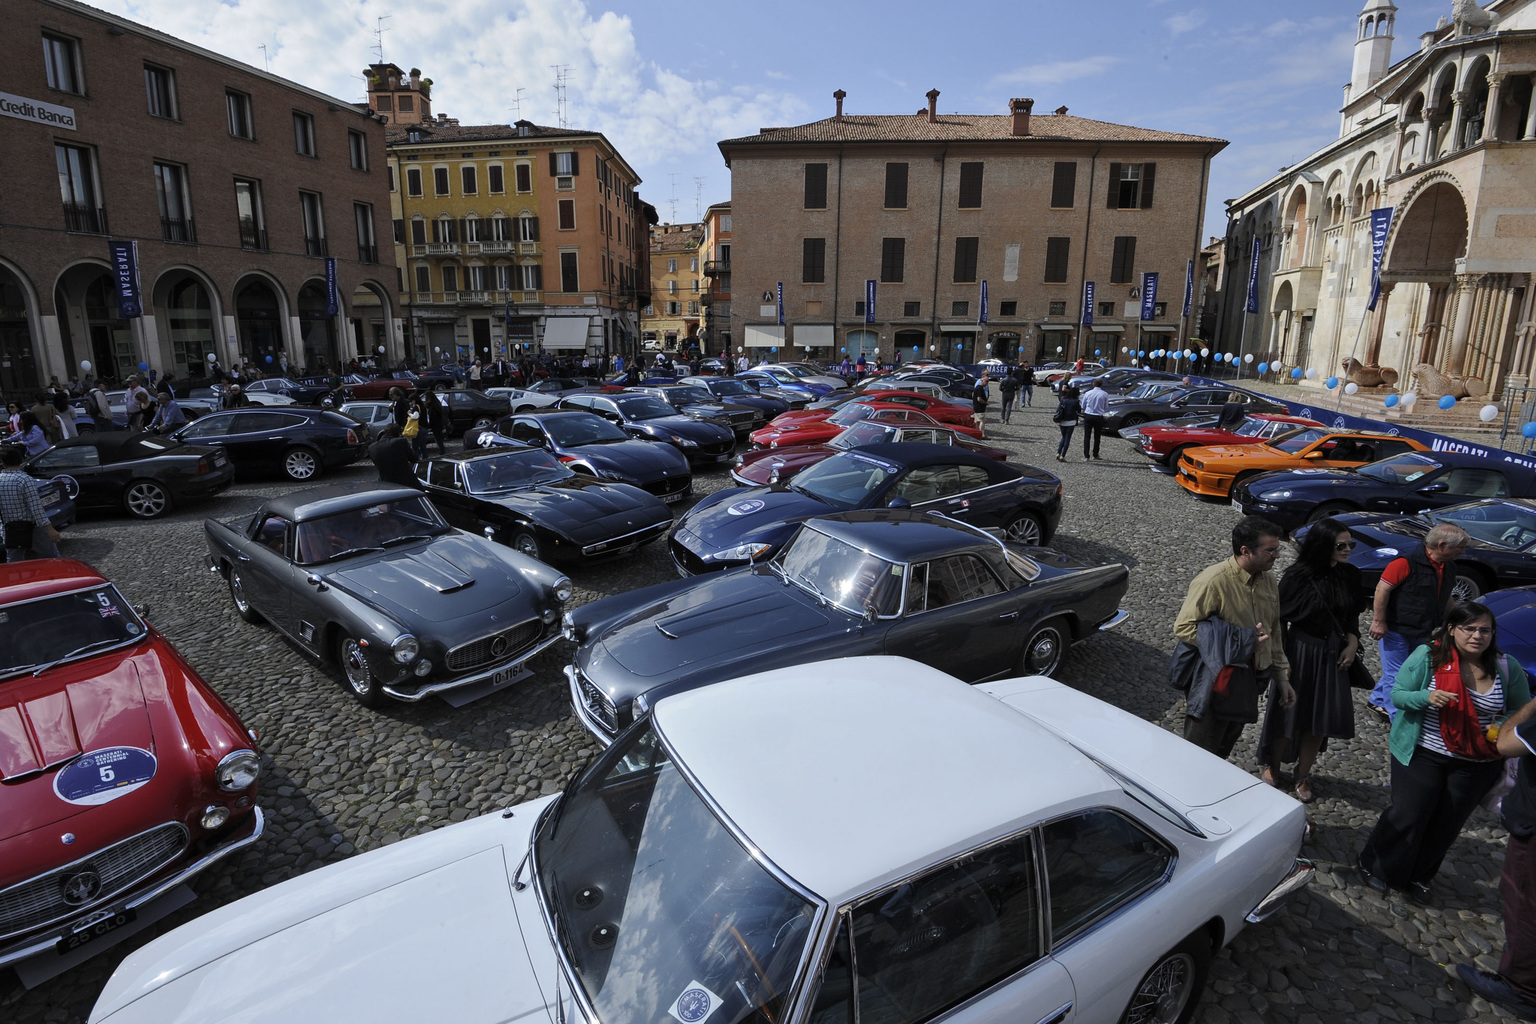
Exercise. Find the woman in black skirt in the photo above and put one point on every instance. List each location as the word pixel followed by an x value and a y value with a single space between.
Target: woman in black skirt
pixel 1320 603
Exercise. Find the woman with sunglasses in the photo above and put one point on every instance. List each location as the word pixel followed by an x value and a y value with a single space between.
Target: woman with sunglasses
pixel 1321 598
pixel 1447 694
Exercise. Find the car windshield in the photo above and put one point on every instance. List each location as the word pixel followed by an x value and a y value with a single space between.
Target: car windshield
pixel 275 383
pixel 572 429
pixel 1251 427
pixel 645 408
pixel 851 413
pixel 689 393
pixel 849 577
pixel 655 905
pixel 795 371
pixel 729 387
pixel 364 530
pixel 1148 390
pixel 38 634
pixel 1400 469
pixel 511 471
pixel 1503 524
pixel 846 480
pixel 1295 442
pixel 868 432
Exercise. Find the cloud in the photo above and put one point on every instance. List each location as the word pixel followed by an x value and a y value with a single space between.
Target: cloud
pixel 1059 71
pixel 1186 22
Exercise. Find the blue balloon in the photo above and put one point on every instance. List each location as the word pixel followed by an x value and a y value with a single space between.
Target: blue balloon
pixel 1392 401
pixel 1263 367
pixel 145 366
pixel 914 348
pixel 1096 352
pixel 1296 374
pixel 1528 430
pixel 1331 383
pixel 1447 401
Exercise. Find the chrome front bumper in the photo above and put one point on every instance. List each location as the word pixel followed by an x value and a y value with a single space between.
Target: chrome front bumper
pixel 1300 874
pixel 1114 620
pixel 412 696
pixel 589 721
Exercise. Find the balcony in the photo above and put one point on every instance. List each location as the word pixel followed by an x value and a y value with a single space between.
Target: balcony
pixel 530 297
pixel 418 250
pixel 367 254
pixel 174 229
pixel 442 248
pixel 472 248
pixel 528 248
pixel 251 236
pixel 496 245
pixel 706 300
pixel 315 247
pixel 714 267
pixel 474 296
pixel 86 218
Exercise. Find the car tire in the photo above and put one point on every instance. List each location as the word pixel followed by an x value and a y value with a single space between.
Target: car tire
pixel 1169 993
pixel 356 676
pixel 440 387
pixel 524 541
pixel 1241 479
pixel 483 421
pixel 1025 528
pixel 1329 509
pixel 243 606
pixel 1469 585
pixel 301 464
pixel 1045 648
pixel 1135 419
pixel 1177 454
pixel 146 499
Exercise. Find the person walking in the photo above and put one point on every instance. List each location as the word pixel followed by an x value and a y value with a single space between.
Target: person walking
pixel 48 418
pixel 1229 621
pixel 1447 693
pixel 22 515
pixel 1068 410
pixel 234 398
pixel 100 407
pixel 1321 598
pixel 66 415
pixel 1095 405
pixel 1008 388
pixel 1410 605
pixel 979 396
pixel 1027 383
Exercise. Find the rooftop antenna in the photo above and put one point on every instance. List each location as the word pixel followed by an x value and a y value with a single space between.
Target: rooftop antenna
pixel 562 75
pixel 265 56
pixel 378 36
pixel 672 202
pixel 517 102
pixel 698 198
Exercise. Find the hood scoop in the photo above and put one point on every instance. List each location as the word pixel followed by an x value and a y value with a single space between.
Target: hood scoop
pixel 427 569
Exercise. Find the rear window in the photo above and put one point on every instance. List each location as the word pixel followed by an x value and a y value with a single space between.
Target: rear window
pixel 338 419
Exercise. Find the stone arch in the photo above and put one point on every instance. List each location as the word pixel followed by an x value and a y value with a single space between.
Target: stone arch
pixel 262 314
pixel 1296 226
pixel 90 328
pixel 371 315
pixel 1430 235
pixel 1474 85
pixel 24 356
pixel 189 324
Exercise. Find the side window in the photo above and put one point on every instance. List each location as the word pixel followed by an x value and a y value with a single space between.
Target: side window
pixel 926 483
pixel 252 423
pixel 958 579
pixel 606 408
pixel 208 426
pixel 440 474
pixel 525 430
pixel 973 478
pixel 74 457
pixel 1477 483
pixel 1095 863
pixel 917 588
pixel 834 1000
pixel 934 942
pixel 271 532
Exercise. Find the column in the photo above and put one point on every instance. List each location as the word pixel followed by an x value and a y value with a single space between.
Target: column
pixel 1373 350
pixel 1491 114
pixel 1459 118
pixel 1530 121
pixel 1394 166
pixel 1466 288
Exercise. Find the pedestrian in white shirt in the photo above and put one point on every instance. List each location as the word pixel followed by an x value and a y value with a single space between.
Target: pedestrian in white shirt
pixel 1095 405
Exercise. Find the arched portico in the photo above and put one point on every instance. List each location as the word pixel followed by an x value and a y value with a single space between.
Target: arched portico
pixel 261 311
pixel 187 315
pixel 21 340
pixel 90 327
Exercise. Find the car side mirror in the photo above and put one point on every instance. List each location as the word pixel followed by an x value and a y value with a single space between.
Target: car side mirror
pixel 898 502
pixel 142 609
pixel 773 477
pixel 314 580
pixel 1315 455
pixel 1438 487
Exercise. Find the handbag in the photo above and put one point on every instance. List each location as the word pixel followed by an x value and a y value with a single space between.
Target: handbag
pixel 1357 674
pixel 412 426
pixel 18 534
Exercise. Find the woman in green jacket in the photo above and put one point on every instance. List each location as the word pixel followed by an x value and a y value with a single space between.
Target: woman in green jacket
pixel 1448 694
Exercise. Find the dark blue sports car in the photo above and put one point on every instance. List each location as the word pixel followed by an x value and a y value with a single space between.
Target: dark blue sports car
pixel 1515 612
pixel 646 416
pixel 729 389
pixel 589 444
pixel 739 525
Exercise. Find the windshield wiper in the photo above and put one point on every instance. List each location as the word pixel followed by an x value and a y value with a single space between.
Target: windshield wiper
pixel 408 537
pixel 39 670
pixel 353 551
pixel 803 578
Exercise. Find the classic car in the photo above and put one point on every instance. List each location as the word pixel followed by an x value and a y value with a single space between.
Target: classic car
pixel 777 465
pixel 1119 380
pixel 1131 410
pixel 882 581
pixel 1502 552
pixel 799 434
pixel 867 876
pixel 301 443
pixel 561 386
pixel 589 444
pixel 531 501
pixel 739 525
pixel 644 416
pixel 1514 611
pixel 700 403
pixel 1165 443
pixel 377 585
pixel 769 388
pixel 145 475
pixel 957 385
pixel 1213 472
pixel 521 399
pixel 377 416
pixel 1402 484
pixel 392 384
pixel 124 773
pixel 870 388
pixel 467 409
pixel 302 394
pixel 810 373
pixel 785 377
pixel 213 397
pixel 941 409
pixel 736 392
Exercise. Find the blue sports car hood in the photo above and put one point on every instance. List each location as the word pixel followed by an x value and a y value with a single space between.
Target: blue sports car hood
pixel 450 577
pixel 585 509
pixel 638 460
pixel 1310 478
pixel 745 514
pixel 702 431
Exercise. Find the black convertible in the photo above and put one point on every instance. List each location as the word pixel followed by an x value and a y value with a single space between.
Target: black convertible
pixel 145 475
pixel 884 581
pixel 526 498
pixel 590 444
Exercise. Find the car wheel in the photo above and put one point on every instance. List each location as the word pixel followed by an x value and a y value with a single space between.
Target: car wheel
pixel 395 394
pixel 1135 419
pixel 1170 991
pixel 1177 454
pixel 1240 479
pixel 242 603
pixel 440 387
pixel 1046 647
pixel 1469 585
pixel 301 464
pixel 525 542
pixel 483 421
pixel 1024 529
pixel 1329 509
pixel 360 680
pixel 146 499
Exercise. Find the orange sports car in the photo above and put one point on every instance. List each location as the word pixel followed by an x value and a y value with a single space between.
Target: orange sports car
pixel 1211 472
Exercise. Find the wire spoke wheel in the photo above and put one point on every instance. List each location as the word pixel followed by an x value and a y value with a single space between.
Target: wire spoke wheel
pixel 359 678
pixel 1164 992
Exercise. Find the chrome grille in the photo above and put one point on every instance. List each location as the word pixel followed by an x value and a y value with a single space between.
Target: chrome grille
pixel 599 705
pixel 668 485
pixel 497 647
pixel 39 900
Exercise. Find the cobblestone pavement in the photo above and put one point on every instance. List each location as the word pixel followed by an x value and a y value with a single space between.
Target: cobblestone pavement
pixel 339 779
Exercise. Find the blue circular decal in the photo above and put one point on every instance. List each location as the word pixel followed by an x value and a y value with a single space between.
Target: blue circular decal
pixel 693 1005
pixel 101 776
pixel 745 508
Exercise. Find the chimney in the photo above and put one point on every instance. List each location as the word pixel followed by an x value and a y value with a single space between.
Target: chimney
pixel 933 105
pixel 1021 109
pixel 1060 110
pixel 839 97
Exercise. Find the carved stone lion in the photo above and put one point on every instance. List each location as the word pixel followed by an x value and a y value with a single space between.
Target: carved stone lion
pixel 1470 16
pixel 1434 384
pixel 1368 376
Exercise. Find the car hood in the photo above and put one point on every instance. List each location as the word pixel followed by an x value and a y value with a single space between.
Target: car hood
pixel 396 934
pixel 1332 479
pixel 750 513
pixel 643 460
pixel 704 431
pixel 445 579
pixel 583 506
pixel 1237 451
pixel 1515 612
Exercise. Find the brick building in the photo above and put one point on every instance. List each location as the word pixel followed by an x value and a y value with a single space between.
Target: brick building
pixel 715 303
pixel 938 209
pixel 238 187
pixel 671 322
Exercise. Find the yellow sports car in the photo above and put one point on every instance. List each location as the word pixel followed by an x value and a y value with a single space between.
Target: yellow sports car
pixel 1211 472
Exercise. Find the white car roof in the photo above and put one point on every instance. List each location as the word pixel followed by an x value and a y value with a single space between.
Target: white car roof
pixel 853 773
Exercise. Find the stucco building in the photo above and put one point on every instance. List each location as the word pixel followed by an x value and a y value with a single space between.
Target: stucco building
pixel 671 321
pixel 715 303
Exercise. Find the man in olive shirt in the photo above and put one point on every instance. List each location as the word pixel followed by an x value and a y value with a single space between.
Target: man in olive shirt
pixel 1241 592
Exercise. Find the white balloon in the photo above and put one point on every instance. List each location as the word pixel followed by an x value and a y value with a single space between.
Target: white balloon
pixel 1188 354
pixel 1058 349
pixel 85 364
pixel 1351 388
pixel 1123 350
pixel 1248 358
pixel 212 358
pixel 1311 374
pixel 1204 353
pixel 1410 398
pixel 1488 413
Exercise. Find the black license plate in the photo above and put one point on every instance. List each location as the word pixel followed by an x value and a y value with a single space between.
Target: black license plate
pixel 91 932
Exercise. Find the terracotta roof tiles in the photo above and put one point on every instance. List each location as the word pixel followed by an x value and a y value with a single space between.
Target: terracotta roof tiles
pixel 960 128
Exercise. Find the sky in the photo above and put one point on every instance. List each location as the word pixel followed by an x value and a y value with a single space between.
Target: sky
pixel 665 82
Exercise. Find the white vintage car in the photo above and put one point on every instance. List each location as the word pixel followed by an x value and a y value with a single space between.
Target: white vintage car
pixel 866 839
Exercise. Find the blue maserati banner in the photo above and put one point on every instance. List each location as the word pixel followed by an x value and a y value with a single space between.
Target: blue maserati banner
pixel 1087 318
pixel 1149 295
pixel 781 301
pixel 1381 223
pixel 869 301
pixel 332 307
pixel 1189 286
pixel 125 274
pixel 982 316
pixel 1253 279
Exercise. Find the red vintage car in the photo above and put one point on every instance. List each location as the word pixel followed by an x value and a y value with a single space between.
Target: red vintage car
pixel 122 774
pixel 1165 443
pixel 819 430
pixel 763 466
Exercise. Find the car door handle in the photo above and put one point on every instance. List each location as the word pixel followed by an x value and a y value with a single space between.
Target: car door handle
pixel 277 438
pixel 1058 1016
pixel 243 558
pixel 1008 615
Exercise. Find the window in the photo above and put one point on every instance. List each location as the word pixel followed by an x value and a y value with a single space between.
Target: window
pixel 693 264
pixel 303 134
pixel 671 266
pixel 160 88
pixel 893 259
pixel 418 231
pixel 314 223
pixel 253 224
pixel 1064 185
pixel 1056 253
pixel 391 169
pixel 468 180
pixel 1470 482
pixel 674 308
pixel 1095 863
pixel 77 189
pixel 960 578
pixel 1159 310
pixel 423 278
pixel 693 309
pixel 175 208
pixel 475 278
pixel 695 284
pixel 495 180
pixel 965 259
pixel 413 181
pixel 407 104
pixel 439 181
pixel 450 279
pixel 357 150
pixel 858 308
pixel 568 277
pixel 1124 260
pixel 445 231
pixel 399 231
pixel 970 186
pixel 567 211
pixel 367 245
pixel 1057 309
pixel 564 165
pixel 1106 309
pixel 671 287
pixel 815 186
pixel 895 186
pixel 386 102
pixel 524 177
pixel 813 261
pixel 527 229
pixel 1130 186
pixel 61 60
pixel 912 309
pixel 959 309
pixel 238 106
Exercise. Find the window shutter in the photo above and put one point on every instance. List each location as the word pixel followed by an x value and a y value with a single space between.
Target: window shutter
pixel 965 259
pixel 815 186
pixel 575 163
pixel 1148 176
pixel 463 233
pixel 1064 185
pixel 893 259
pixel 1057 251
pixel 554 168
pixel 970 186
pixel 538 277
pixel 533 228
pixel 895 186
pixel 1113 202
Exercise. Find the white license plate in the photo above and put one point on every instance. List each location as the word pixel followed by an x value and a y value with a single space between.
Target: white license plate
pixel 675 496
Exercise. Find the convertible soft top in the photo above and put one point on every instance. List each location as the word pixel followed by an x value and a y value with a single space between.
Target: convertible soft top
pixel 324 501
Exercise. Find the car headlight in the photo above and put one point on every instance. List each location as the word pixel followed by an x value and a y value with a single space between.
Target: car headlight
pixel 638 707
pixel 1387 552
pixel 568 628
pixel 237 770
pixel 1276 495
pixel 562 589
pixel 686 442
pixel 214 816
pixel 405 649
pixel 751 552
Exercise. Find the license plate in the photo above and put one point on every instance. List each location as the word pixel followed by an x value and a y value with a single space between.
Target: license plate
pixel 219 459
pixel 626 549
pixel 91 932
pixel 52 499
pixel 503 677
pixel 674 496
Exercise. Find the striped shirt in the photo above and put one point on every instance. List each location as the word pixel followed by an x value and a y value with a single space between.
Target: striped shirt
pixel 1488 706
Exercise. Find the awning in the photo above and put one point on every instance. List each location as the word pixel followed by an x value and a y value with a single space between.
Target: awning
pixel 1159 328
pixel 960 328
pixel 567 332
pixel 1105 328
pixel 808 335
pixel 1058 327
pixel 765 335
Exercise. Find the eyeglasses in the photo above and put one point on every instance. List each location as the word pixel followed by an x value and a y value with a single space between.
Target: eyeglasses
pixel 1344 545
pixel 1476 630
